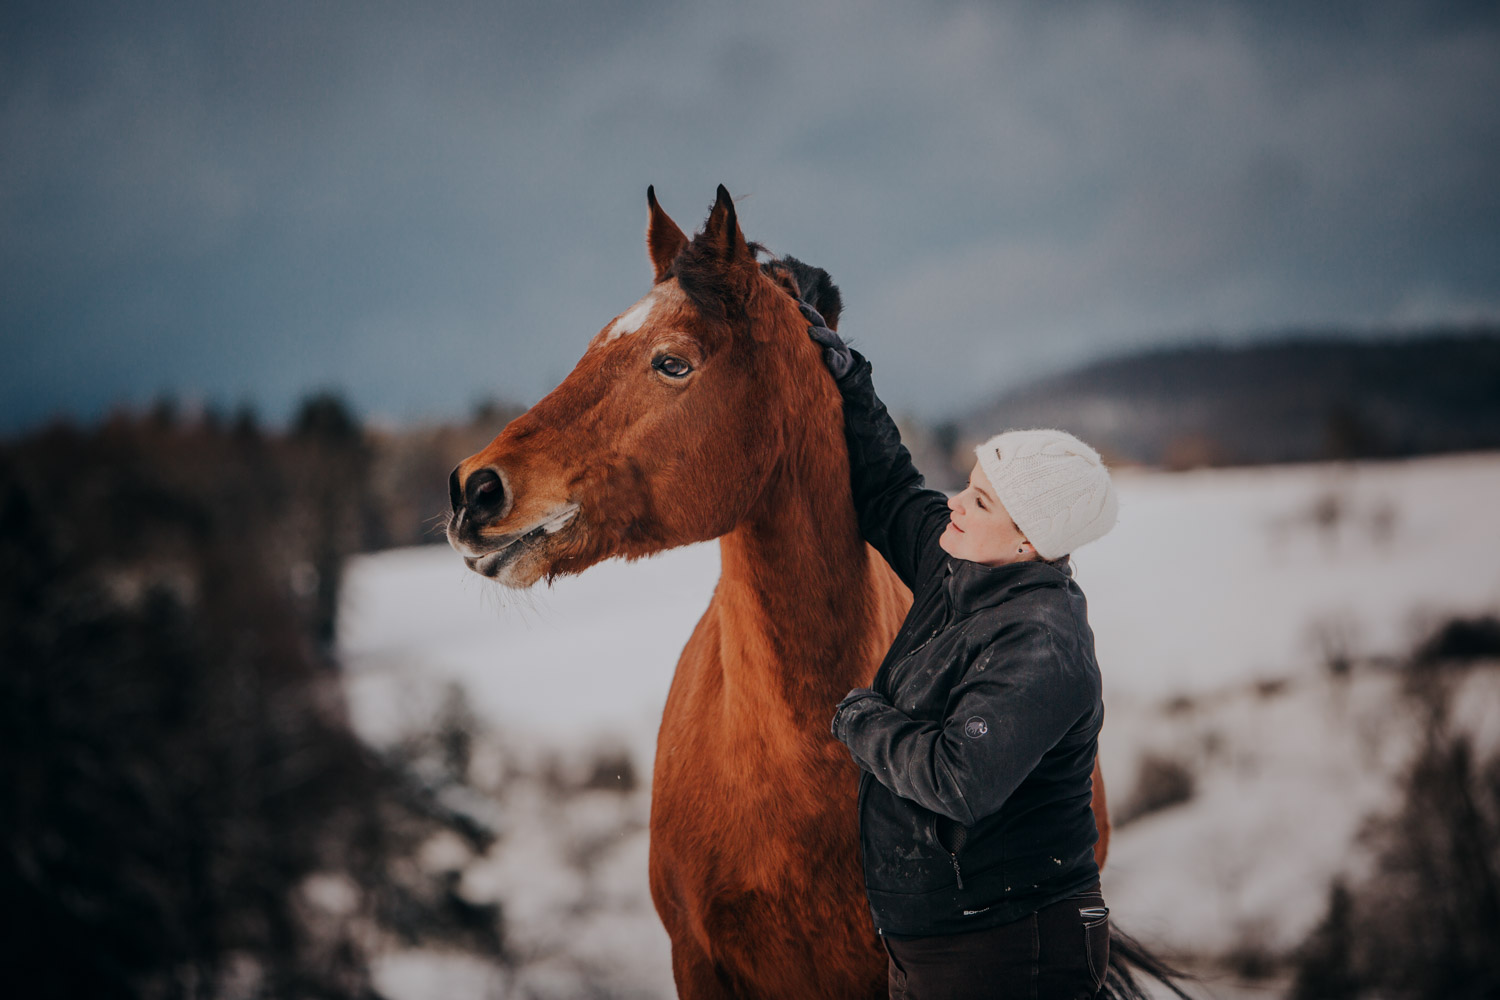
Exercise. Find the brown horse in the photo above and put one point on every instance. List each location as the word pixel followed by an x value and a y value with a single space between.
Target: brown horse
pixel 704 411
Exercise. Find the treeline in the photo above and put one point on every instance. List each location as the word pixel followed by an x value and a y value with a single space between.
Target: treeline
pixel 376 487
pixel 1302 397
pixel 186 811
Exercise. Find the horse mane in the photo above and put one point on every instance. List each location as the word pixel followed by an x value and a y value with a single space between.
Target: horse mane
pixel 717 290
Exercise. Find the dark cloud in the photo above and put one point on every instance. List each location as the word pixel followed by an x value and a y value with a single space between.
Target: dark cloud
pixel 426 206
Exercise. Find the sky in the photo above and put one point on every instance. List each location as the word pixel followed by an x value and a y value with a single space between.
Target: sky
pixel 423 207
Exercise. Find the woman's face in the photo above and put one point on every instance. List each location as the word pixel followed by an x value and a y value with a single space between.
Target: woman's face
pixel 981 531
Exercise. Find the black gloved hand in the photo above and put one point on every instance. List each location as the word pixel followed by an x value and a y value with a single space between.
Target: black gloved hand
pixel 836 356
pixel 839 726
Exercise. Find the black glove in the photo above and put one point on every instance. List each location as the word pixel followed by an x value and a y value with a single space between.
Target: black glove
pixel 836 356
pixel 840 725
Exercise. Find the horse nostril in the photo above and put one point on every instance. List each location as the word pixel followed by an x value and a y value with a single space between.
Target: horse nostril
pixel 455 491
pixel 483 491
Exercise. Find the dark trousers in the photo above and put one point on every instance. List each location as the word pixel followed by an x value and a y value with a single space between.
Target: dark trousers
pixel 1057 953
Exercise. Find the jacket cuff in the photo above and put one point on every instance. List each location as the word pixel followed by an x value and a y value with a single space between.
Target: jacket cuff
pixel 853 705
pixel 859 371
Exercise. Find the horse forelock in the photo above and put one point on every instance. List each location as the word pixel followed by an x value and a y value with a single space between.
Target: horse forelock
pixel 716 287
pixel 723 290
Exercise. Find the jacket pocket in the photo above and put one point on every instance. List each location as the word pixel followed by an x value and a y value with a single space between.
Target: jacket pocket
pixel 951 837
pixel 901 850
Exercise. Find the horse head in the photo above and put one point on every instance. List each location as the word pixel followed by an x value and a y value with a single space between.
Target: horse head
pixel 669 429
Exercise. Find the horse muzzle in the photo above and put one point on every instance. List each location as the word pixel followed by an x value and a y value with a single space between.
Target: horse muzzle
pixel 489 555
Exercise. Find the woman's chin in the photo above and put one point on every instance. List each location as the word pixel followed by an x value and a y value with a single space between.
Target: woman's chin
pixel 951 542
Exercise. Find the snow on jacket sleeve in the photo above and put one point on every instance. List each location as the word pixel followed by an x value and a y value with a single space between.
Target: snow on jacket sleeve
pixel 897 513
pixel 999 724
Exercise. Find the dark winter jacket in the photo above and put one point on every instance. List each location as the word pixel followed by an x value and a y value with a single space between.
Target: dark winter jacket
pixel 977 740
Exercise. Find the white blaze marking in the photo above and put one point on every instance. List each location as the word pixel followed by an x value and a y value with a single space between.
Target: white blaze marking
pixel 633 318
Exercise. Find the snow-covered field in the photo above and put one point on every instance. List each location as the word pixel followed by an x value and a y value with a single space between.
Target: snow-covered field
pixel 1218 603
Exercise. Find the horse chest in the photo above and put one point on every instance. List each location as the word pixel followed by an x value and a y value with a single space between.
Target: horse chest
pixel 726 800
pixel 764 889
pixel 751 810
pixel 754 839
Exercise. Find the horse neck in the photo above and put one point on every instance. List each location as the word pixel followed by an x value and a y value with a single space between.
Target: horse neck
pixel 796 593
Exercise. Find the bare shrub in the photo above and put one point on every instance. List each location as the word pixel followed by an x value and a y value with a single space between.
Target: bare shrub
pixel 1460 640
pixel 613 770
pixel 1252 958
pixel 1161 782
pixel 1272 687
pixel 1382 522
pixel 456 728
pixel 1326 512
pixel 1326 963
pixel 1182 704
pixel 1426 924
pixel 1335 637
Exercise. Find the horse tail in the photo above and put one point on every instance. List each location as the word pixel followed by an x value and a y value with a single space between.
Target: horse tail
pixel 1127 958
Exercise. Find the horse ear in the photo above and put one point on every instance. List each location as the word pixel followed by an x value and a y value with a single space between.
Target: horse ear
pixel 663 238
pixel 723 229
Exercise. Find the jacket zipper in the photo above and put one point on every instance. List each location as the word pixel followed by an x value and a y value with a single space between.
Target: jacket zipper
pixel 948 617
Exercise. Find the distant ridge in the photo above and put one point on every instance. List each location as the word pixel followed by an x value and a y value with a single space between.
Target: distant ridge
pixel 1292 399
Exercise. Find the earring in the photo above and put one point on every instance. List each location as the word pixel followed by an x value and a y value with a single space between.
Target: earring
pixel 1021 549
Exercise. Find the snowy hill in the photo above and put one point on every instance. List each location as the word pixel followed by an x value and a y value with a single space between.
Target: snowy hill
pixel 1243 618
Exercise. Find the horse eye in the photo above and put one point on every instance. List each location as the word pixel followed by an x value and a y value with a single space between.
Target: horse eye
pixel 672 367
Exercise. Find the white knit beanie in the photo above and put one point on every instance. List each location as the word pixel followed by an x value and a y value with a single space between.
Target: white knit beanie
pixel 1054 487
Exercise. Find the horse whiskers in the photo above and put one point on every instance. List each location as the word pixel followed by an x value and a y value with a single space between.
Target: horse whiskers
pixel 438 524
pixel 501 599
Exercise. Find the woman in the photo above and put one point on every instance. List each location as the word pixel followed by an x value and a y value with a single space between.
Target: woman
pixel 977 740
